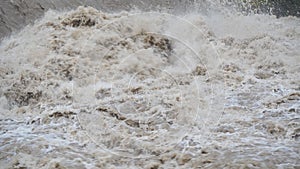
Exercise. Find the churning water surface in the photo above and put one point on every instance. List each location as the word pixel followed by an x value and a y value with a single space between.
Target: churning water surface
pixel 87 89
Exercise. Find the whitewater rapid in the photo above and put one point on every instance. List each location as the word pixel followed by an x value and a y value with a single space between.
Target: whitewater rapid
pixel 88 89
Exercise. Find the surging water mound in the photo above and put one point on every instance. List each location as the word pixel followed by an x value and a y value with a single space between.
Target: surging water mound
pixel 88 89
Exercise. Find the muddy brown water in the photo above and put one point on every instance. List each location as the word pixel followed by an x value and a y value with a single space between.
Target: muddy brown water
pixel 92 89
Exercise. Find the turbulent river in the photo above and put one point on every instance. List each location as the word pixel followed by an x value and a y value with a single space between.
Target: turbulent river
pixel 87 89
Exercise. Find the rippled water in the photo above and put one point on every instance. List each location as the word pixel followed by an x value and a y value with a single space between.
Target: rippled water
pixel 87 89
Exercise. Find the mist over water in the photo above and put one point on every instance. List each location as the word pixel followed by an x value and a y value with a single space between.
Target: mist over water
pixel 199 88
